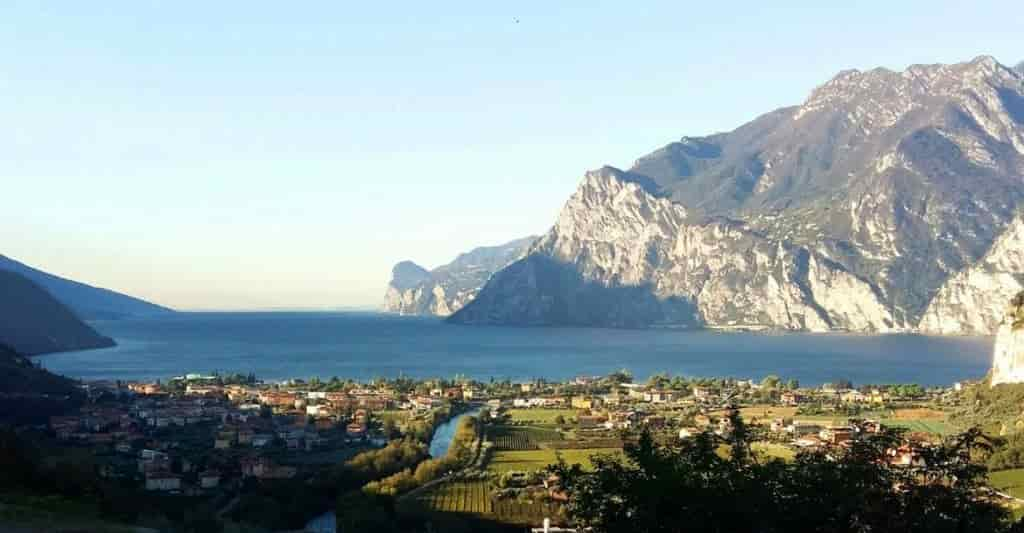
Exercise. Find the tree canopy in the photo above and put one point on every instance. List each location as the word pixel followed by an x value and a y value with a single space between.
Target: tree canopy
pixel 692 485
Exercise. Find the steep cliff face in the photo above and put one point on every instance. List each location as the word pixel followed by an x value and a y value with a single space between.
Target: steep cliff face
pixel 1008 352
pixel 971 302
pixel 414 290
pixel 848 212
pixel 621 256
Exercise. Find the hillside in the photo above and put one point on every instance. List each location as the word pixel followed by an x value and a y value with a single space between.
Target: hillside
pixel 88 302
pixel 850 211
pixel 18 375
pixel 34 322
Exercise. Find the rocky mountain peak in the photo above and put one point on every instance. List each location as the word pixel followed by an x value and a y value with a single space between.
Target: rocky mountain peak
pixel 885 183
pixel 407 274
pixel 414 290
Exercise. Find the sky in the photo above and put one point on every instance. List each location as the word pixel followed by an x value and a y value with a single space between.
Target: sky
pixel 256 155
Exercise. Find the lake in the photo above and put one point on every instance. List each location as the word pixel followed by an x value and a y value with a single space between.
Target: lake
pixel 278 346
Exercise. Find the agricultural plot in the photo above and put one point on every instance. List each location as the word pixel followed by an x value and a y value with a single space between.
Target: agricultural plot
pixel 772 450
pixel 532 460
pixel 474 497
pixel 522 438
pixel 540 416
pixel 931 426
pixel 1009 481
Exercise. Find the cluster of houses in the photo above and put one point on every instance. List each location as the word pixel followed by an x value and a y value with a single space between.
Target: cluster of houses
pixel 158 428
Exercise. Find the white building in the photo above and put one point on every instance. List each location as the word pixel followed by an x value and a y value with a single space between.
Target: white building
pixel 163 482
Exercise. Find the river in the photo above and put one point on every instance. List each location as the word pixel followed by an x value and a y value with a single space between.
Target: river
pixel 443 434
pixel 439 444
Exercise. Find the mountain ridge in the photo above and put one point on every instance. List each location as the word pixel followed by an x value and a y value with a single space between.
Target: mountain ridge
pixel 87 301
pixel 890 182
pixel 413 290
pixel 33 321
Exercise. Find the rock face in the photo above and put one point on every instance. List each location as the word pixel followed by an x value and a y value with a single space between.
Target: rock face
pixel 620 256
pixel 414 290
pixel 89 303
pixel 33 322
pixel 970 302
pixel 1008 352
pixel 848 212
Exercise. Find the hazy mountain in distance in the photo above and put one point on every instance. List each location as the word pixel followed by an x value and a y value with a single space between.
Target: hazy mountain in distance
pixel 88 302
pixel 847 212
pixel 414 290
pixel 33 322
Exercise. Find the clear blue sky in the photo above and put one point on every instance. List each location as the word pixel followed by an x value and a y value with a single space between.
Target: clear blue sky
pixel 211 155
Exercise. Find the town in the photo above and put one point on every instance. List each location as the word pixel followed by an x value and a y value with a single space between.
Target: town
pixel 230 440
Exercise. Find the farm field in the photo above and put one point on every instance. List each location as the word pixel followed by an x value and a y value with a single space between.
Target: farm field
pixel 474 497
pixel 504 461
pixel 935 427
pixel 765 412
pixel 772 450
pixel 1008 481
pixel 540 416
pixel 522 437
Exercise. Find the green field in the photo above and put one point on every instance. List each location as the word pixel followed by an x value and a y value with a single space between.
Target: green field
pixel 935 427
pixel 522 437
pixel 504 461
pixel 460 497
pixel 774 451
pixel 540 416
pixel 474 497
pixel 1008 481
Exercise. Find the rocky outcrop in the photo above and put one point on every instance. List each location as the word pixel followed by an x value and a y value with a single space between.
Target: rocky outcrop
pixel 1008 352
pixel 621 256
pixel 850 211
pixel 414 290
pixel 971 302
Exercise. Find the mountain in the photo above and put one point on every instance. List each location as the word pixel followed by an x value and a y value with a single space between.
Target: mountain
pixel 18 375
pixel 89 303
pixel 848 212
pixel 414 290
pixel 33 322
pixel 972 301
pixel 1020 67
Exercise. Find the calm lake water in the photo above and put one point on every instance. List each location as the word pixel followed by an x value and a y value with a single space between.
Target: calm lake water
pixel 278 346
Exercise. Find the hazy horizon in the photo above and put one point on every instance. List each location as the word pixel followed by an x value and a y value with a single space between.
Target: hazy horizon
pixel 215 157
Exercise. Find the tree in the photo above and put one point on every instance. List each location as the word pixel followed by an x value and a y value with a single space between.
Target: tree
pixel 658 381
pixel 771 382
pixel 692 486
pixel 619 376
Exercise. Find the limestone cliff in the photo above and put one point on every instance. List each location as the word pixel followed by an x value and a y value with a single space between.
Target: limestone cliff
pixel 621 256
pixel 1008 352
pixel 971 302
pixel 851 211
pixel 414 290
